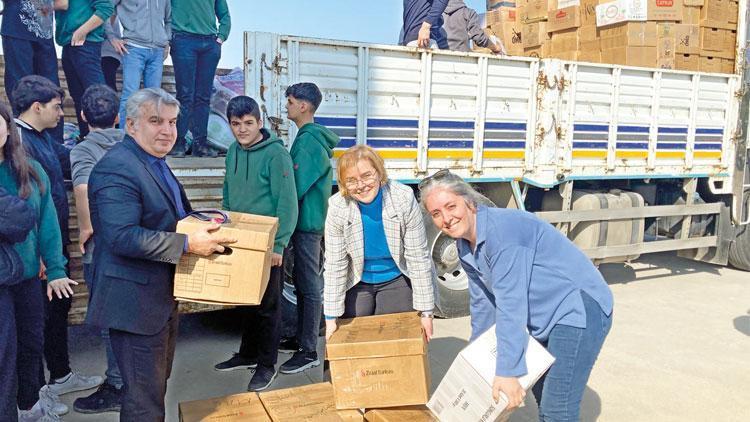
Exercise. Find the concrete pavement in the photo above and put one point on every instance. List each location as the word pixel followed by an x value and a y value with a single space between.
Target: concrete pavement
pixel 678 349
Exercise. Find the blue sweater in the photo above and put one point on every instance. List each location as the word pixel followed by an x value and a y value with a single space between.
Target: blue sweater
pixel 418 11
pixel 379 265
pixel 525 275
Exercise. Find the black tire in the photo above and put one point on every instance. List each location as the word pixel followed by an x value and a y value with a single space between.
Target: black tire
pixel 739 250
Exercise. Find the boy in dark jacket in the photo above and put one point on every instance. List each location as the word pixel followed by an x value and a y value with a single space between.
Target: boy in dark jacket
pixel 423 22
pixel 259 180
pixel 39 102
pixel 461 24
pixel 311 154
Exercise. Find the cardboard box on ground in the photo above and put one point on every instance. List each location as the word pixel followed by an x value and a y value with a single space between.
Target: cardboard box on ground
pixel 379 361
pixel 312 403
pixel 400 414
pixel 234 408
pixel 465 393
pixel 239 276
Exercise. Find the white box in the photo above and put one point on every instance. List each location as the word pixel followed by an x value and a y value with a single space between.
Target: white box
pixel 465 393
pixel 621 11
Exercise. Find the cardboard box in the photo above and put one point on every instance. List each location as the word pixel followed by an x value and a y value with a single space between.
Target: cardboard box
pixel 733 12
pixel 379 361
pixel 665 53
pixel 690 62
pixel 313 402
pixel 712 39
pixel 635 34
pixel 691 15
pixel 234 408
pixel 534 11
pixel 715 14
pixel 630 56
pixel 573 16
pixel 534 34
pixel 590 56
pixel 620 11
pixel 664 10
pixel 688 39
pixel 730 40
pixel 510 34
pixel 400 414
pixel 496 4
pixel 465 393
pixel 500 16
pixel 710 64
pixel 237 277
pixel 727 66
pixel 698 3
pixel 539 52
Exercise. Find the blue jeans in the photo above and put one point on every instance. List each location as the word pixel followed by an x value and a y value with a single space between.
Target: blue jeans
pixel 114 377
pixel 308 283
pixel 139 63
pixel 83 67
pixel 560 390
pixel 195 58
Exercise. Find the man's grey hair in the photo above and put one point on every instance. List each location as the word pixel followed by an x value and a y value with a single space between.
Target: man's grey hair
pixel 451 182
pixel 156 96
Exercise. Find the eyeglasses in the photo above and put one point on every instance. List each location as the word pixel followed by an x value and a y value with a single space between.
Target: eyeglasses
pixel 366 179
pixel 439 175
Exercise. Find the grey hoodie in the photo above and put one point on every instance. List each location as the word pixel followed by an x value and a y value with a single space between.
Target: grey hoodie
pixel 461 24
pixel 145 23
pixel 86 154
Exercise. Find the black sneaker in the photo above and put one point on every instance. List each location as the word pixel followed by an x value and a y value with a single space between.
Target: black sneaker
pixel 204 151
pixel 106 398
pixel 236 362
pixel 289 345
pixel 262 379
pixel 299 362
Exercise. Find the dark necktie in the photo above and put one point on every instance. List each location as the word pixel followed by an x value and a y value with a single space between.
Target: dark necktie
pixel 174 188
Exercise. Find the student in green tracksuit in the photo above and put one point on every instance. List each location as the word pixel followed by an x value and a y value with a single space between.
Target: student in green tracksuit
pixel 311 153
pixel 259 180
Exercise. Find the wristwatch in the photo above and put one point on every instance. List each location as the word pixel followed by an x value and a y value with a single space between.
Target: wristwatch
pixel 427 314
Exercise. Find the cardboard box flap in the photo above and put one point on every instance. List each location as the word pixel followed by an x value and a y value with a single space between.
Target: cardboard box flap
pixel 255 232
pixel 312 402
pixel 377 336
pixel 237 407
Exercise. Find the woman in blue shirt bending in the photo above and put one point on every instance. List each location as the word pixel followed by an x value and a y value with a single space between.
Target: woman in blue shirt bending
pixel 376 258
pixel 525 276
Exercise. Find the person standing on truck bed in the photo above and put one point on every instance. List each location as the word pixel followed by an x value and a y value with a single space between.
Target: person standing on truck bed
pixel 39 102
pixel 311 154
pixel 526 278
pixel 376 257
pixel 79 31
pixel 100 105
pixel 423 21
pixel 196 50
pixel 23 395
pixel 135 202
pixel 462 27
pixel 259 179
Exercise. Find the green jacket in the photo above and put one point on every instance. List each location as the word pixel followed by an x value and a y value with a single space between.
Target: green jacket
pixel 259 180
pixel 199 17
pixel 44 240
pixel 79 11
pixel 311 154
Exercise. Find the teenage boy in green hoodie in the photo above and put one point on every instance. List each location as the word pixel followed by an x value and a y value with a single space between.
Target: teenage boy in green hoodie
pixel 311 153
pixel 259 180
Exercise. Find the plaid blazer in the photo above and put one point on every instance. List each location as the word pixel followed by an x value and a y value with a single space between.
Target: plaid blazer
pixel 405 235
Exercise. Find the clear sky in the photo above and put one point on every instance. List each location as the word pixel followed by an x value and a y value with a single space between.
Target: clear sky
pixel 377 21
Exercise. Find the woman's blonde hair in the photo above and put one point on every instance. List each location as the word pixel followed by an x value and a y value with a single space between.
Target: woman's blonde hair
pixel 351 157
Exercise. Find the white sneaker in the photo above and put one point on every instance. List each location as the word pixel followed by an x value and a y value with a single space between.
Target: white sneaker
pixel 51 401
pixel 44 409
pixel 74 382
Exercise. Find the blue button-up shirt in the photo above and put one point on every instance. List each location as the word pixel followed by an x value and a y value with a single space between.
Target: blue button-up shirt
pixel 525 276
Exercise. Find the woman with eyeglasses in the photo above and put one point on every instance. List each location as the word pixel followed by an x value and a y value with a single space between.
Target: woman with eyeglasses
pixel 526 278
pixel 376 258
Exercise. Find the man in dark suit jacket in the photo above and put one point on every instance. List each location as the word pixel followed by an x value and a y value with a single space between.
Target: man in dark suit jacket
pixel 135 204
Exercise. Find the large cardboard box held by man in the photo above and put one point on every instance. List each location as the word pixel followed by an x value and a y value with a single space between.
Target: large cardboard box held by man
pixel 310 403
pixel 465 393
pixel 239 276
pixel 235 408
pixel 379 361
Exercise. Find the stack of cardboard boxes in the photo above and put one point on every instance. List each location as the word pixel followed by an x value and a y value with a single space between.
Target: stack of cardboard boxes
pixel 694 35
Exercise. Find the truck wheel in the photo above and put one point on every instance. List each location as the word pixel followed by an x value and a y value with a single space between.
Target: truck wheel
pixel 452 283
pixel 739 250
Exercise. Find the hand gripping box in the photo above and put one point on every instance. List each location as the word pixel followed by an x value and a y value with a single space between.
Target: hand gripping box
pixel 309 403
pixel 238 276
pixel 465 393
pixel 234 408
pixel 379 361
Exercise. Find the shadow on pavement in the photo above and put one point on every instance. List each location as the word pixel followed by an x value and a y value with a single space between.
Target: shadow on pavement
pixel 742 324
pixel 667 263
